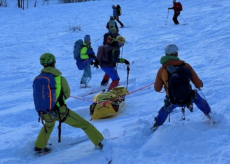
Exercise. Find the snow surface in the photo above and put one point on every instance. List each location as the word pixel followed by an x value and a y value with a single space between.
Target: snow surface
pixel 203 42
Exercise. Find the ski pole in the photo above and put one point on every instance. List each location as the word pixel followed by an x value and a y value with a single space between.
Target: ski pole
pixel 128 69
pixel 121 55
pixel 98 39
pixel 7 132
pixel 44 2
pixel 182 18
pixel 167 18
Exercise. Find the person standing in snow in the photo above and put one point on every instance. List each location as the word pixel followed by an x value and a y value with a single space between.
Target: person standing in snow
pixel 112 23
pixel 108 56
pixel 110 37
pixel 116 15
pixel 67 116
pixel 86 52
pixel 179 92
pixel 177 7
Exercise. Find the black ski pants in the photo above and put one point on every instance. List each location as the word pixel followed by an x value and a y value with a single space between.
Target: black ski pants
pixel 176 14
pixel 118 20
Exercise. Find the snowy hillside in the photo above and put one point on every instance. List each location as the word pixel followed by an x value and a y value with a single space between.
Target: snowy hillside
pixel 203 38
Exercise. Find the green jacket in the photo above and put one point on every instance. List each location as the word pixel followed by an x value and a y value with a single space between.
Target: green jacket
pixel 64 86
pixel 84 49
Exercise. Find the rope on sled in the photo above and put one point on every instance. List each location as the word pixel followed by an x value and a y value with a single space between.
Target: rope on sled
pixel 104 103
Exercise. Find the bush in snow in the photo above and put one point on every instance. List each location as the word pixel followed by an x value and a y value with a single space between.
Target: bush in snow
pixel 73 27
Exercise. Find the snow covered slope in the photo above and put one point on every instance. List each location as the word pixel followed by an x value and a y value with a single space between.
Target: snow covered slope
pixel 203 42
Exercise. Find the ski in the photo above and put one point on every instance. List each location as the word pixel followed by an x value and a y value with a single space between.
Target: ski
pixel 106 134
pixel 75 143
pixel 154 128
pixel 103 89
pixel 40 154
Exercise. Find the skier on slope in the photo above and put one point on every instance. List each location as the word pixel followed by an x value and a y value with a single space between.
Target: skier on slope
pixel 86 52
pixel 112 23
pixel 61 111
pixel 116 15
pixel 175 76
pixel 177 7
pixel 108 56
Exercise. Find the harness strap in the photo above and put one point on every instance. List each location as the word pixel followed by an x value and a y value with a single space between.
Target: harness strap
pixel 61 103
pixel 45 130
pixel 40 117
pixel 59 126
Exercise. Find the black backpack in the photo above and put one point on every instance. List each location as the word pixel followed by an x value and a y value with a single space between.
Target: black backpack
pixel 118 10
pixel 179 87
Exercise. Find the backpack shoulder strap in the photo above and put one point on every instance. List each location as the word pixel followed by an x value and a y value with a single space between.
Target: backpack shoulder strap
pixel 183 64
pixel 165 77
pixel 60 97
pixel 83 46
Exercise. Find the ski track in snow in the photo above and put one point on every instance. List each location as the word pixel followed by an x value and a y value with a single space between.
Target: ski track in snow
pixel 203 42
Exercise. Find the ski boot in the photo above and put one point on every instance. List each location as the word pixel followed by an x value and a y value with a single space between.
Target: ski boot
pixel 104 82
pixel 39 151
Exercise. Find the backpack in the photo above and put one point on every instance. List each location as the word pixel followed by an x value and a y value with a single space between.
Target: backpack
pixel 179 88
pixel 111 24
pixel 105 55
pixel 105 38
pixel 44 93
pixel 76 49
pixel 81 63
pixel 179 6
pixel 119 10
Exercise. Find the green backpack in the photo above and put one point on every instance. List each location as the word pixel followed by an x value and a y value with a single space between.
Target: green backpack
pixel 111 24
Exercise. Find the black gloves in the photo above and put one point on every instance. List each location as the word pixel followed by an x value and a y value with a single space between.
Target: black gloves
pixel 128 69
pixel 96 63
pixel 126 62
pixel 91 63
pixel 91 55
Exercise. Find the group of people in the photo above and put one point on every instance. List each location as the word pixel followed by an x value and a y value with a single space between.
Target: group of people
pixel 174 75
pixel 107 57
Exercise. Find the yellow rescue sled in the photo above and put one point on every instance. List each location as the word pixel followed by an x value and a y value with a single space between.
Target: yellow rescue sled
pixel 107 104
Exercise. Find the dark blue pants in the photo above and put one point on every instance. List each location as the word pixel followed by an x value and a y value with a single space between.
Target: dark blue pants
pixel 163 113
